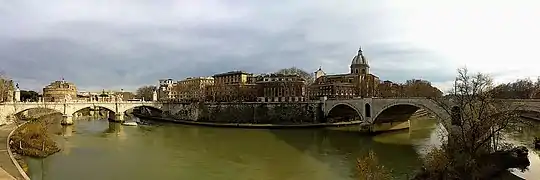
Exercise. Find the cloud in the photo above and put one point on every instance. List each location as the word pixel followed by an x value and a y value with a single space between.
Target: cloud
pixel 126 44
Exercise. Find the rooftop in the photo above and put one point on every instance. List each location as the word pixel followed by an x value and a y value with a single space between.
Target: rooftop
pixel 232 73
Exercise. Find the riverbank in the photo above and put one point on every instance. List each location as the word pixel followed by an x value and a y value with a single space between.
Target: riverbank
pixel 8 168
pixel 32 139
pixel 246 125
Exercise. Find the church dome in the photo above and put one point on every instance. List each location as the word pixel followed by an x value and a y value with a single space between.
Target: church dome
pixel 359 58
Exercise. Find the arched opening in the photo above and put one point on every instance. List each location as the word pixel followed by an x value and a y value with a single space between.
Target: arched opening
pixel 35 113
pixel 144 110
pixel 94 112
pixel 405 116
pixel 363 71
pixel 367 109
pixel 342 113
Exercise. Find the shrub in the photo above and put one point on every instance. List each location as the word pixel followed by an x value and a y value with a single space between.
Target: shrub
pixel 368 168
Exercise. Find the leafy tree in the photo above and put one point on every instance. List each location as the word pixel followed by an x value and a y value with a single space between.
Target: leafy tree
pixel 31 96
pixel 294 70
pixel 145 92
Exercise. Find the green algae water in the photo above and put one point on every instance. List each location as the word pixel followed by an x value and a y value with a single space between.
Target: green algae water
pixel 97 149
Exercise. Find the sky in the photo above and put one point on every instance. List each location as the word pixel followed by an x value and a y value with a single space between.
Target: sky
pixel 124 44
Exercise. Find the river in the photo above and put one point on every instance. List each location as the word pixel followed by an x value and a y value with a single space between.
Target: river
pixel 97 149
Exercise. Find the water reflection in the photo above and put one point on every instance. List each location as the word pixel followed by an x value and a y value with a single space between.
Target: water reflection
pixel 114 128
pixel 193 152
pixel 67 131
pixel 523 135
pixel 172 151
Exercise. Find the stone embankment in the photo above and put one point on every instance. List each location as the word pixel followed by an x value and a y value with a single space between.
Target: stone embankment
pixel 248 125
pixel 249 115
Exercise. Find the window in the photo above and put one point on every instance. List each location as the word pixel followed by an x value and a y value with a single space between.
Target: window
pixel 367 108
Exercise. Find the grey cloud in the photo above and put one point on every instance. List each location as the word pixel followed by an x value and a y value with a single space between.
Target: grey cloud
pixel 96 53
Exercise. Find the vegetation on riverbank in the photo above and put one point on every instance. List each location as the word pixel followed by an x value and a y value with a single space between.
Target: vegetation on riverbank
pixel 33 139
pixel 474 149
pixel 368 168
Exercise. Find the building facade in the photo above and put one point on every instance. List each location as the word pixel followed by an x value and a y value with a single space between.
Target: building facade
pixel 357 83
pixel 281 88
pixel 59 91
pixel 104 96
pixel 233 86
pixel 165 89
pixel 390 89
pixel 232 77
pixel 192 89
pixel 411 88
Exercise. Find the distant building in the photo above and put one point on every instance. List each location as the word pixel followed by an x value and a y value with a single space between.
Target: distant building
pixel 105 95
pixel 232 77
pixel 125 95
pixel 59 91
pixel 165 89
pixel 357 83
pixel 281 88
pixel 192 88
pixel 232 86
pixel 391 89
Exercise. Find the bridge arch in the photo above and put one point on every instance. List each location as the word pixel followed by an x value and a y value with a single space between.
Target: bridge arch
pixel 343 112
pixel 79 108
pixel 402 111
pixel 50 110
pixel 21 109
pixel 142 105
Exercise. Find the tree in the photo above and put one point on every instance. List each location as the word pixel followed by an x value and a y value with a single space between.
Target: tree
pixel 146 92
pixel 6 88
pixel 476 122
pixel 520 89
pixel 294 70
pixel 31 96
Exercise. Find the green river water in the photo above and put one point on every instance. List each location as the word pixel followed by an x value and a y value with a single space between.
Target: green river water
pixel 99 150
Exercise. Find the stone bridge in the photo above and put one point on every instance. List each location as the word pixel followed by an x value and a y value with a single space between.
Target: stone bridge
pixel 382 114
pixel 68 109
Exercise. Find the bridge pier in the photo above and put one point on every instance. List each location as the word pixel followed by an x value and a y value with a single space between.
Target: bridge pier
pixel 116 117
pixel 67 120
pixel 119 117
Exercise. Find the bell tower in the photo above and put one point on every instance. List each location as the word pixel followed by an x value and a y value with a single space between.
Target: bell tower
pixel 319 73
pixel 359 64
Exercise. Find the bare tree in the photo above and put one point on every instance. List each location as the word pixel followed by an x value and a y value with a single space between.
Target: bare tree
pixel 520 89
pixel 146 92
pixel 294 70
pixel 6 87
pixel 476 122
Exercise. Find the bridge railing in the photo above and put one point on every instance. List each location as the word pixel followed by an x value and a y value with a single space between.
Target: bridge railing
pixel 74 102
